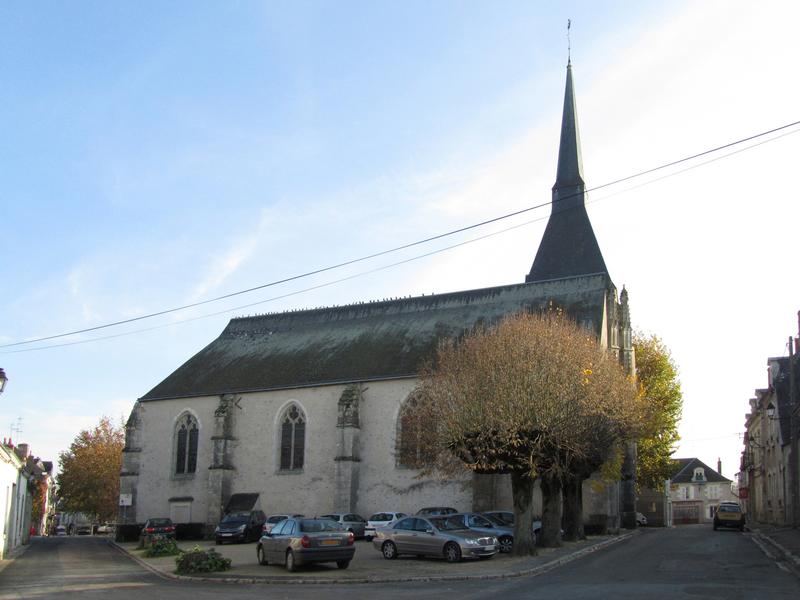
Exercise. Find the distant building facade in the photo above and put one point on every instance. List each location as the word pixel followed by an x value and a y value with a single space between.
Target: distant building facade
pixel 696 491
pixel 301 411
pixel 765 477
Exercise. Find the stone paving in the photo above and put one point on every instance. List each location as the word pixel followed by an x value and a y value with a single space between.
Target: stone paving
pixel 369 566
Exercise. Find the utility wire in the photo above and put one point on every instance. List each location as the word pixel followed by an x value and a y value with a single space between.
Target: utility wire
pixel 384 267
pixel 401 247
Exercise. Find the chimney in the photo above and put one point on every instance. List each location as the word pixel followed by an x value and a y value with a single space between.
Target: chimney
pixel 719 466
pixel 22 451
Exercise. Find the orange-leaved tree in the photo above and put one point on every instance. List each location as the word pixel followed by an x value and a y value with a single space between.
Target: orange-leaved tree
pixel 88 479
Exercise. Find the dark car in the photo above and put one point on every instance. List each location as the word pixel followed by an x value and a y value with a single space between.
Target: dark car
pixel 729 514
pixel 158 528
pixel 295 542
pixel 240 527
pixel 432 511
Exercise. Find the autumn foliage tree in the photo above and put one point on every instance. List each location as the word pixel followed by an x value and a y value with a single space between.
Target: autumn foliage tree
pixel 521 398
pixel 663 403
pixel 88 479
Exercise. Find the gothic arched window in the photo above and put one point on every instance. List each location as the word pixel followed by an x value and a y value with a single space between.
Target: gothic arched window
pixel 293 439
pixel 186 436
pixel 410 449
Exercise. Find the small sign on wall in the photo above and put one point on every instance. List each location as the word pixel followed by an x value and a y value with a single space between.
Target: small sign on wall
pixel 126 499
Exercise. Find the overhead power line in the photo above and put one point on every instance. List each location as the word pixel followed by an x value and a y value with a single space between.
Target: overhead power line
pixel 403 246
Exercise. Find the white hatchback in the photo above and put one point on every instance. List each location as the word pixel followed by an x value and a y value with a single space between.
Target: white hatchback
pixel 381 519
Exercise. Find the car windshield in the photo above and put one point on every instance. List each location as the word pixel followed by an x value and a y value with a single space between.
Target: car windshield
pixel 380 517
pixel 229 519
pixel 317 525
pixel 448 523
pixel 496 520
pixel 276 518
pixel 729 508
pixel 159 522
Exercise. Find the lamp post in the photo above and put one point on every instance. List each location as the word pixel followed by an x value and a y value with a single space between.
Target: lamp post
pixel 3 380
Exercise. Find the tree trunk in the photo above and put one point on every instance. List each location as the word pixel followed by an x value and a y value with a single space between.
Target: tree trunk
pixel 551 513
pixel 522 491
pixel 573 508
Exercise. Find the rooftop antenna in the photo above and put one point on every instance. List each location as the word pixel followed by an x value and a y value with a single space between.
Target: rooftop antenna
pixel 569 43
pixel 16 427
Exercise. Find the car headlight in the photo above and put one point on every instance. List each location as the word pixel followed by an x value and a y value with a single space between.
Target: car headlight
pixel 471 541
pixel 216 529
pixel 242 527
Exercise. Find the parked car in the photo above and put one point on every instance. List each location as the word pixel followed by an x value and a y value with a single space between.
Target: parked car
pixel 240 527
pixel 105 528
pixel 641 520
pixel 729 514
pixel 83 528
pixel 273 520
pixel 441 536
pixel 350 522
pixel 61 530
pixel 505 518
pixel 433 511
pixel 477 522
pixel 381 519
pixel 298 541
pixel 161 527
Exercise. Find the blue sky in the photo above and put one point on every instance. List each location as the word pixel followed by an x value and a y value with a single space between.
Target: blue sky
pixel 155 155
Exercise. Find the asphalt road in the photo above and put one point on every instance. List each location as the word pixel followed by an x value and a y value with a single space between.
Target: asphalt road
pixel 690 562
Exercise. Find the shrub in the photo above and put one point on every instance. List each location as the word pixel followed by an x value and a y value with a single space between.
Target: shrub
pixel 162 547
pixel 198 560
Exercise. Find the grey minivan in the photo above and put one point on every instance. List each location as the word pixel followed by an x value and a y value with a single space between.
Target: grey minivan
pixel 442 536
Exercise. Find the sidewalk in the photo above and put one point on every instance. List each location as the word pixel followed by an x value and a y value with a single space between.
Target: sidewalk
pixel 784 542
pixel 369 566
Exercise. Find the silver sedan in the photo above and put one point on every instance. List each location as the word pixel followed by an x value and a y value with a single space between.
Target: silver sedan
pixel 442 536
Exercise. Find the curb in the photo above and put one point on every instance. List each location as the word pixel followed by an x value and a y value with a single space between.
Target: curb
pixel 785 558
pixel 272 580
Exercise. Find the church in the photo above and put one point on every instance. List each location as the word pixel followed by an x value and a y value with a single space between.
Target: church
pixel 300 412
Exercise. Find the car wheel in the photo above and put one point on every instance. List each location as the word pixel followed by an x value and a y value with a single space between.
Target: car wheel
pixel 262 557
pixel 290 564
pixel 506 543
pixel 452 552
pixel 389 550
pixel 342 564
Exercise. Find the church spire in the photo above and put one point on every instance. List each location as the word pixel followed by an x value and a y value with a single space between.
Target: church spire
pixel 569 247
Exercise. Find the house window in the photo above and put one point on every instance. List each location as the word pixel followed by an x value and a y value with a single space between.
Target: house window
pixel 186 436
pixel 293 439
pixel 410 447
pixel 699 474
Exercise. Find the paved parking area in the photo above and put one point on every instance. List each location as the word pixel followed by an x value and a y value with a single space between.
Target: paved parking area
pixel 368 565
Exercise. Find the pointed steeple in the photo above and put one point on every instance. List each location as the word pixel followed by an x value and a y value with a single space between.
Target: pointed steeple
pixel 570 162
pixel 569 247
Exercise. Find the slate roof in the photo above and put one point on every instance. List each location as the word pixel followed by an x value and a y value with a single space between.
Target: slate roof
pixel 363 342
pixel 684 472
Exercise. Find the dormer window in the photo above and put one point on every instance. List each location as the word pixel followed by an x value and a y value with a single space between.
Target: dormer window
pixel 699 474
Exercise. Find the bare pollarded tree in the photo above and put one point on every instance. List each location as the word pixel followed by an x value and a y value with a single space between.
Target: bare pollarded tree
pixel 515 399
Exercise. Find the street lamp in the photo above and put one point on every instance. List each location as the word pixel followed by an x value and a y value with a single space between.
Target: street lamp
pixel 3 380
pixel 771 410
